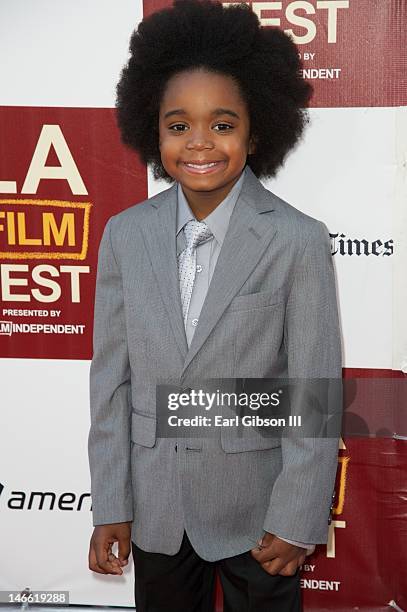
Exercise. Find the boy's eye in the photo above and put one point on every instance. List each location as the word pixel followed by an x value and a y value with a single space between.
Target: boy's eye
pixel 219 127
pixel 178 127
pixel 223 126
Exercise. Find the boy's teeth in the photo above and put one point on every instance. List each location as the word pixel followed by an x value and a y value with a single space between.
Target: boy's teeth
pixel 202 165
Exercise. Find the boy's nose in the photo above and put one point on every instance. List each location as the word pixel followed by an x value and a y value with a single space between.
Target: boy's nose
pixel 199 142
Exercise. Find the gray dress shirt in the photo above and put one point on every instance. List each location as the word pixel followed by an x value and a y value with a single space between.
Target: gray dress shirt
pixel 207 254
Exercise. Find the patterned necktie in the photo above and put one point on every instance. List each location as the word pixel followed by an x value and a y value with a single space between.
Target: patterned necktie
pixel 195 233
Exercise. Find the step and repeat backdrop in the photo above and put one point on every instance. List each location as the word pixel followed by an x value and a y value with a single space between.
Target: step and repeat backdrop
pixel 64 172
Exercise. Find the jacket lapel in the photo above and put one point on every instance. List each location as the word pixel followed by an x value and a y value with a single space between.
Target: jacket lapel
pixel 249 233
pixel 160 240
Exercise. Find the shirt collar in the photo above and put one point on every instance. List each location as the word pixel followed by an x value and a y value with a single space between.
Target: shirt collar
pixel 218 219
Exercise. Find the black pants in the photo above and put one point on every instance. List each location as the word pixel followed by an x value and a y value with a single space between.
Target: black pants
pixel 186 583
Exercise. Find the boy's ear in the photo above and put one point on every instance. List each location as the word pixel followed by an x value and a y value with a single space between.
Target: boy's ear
pixel 252 146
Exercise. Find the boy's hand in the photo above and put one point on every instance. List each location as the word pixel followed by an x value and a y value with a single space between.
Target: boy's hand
pixel 277 556
pixel 101 558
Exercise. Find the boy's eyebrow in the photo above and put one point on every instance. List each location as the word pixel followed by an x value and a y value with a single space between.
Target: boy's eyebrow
pixel 216 113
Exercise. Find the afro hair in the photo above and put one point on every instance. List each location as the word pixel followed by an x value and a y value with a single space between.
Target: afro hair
pixel 192 34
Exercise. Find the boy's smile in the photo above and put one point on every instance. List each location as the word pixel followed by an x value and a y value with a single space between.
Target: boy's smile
pixel 204 131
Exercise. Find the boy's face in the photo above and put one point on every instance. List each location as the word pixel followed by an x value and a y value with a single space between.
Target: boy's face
pixel 204 132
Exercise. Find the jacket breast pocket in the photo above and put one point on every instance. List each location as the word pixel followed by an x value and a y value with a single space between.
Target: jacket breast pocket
pixel 143 429
pixel 252 301
pixel 258 338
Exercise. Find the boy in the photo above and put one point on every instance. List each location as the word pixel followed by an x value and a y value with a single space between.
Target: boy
pixel 216 277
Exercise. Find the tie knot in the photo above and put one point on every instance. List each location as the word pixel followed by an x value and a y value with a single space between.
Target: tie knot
pixel 195 233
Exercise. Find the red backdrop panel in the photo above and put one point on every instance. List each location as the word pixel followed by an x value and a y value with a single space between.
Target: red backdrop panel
pixel 113 178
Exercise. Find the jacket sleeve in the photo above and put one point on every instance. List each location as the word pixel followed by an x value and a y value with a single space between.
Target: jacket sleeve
pixel 309 547
pixel 110 399
pixel 301 497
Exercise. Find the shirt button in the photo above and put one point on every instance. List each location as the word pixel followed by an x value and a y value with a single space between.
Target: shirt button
pixel 194 322
pixel 199 268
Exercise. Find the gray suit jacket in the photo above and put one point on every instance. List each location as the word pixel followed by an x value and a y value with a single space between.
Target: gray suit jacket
pixel 270 311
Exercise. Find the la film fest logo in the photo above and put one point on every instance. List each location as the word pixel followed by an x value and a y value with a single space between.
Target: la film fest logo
pixel 33 229
pixel 320 16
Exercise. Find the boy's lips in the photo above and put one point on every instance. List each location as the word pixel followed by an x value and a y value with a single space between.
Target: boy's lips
pixel 202 167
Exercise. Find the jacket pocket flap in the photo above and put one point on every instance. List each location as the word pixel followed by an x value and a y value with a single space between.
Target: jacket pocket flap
pixel 261 299
pixel 143 429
